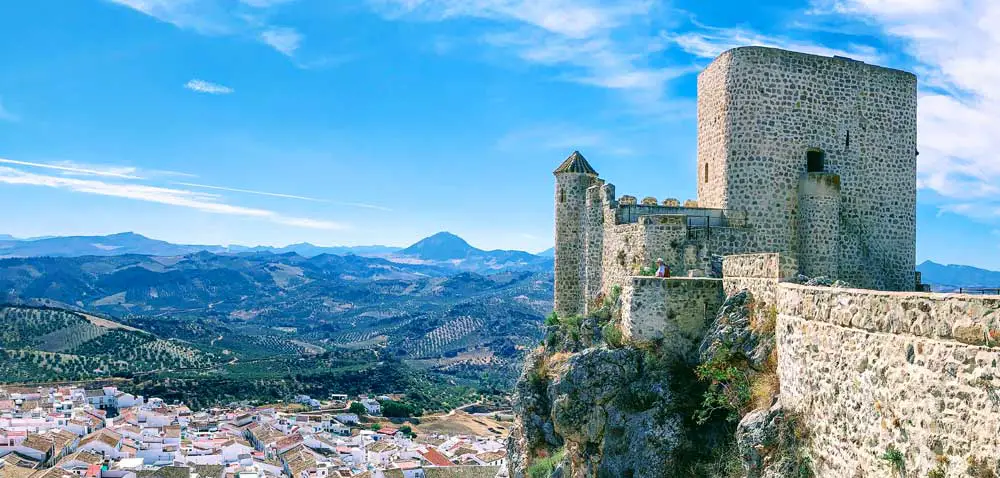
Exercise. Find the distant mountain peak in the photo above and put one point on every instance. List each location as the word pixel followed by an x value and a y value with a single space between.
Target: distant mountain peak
pixel 442 246
pixel 946 276
pixel 127 234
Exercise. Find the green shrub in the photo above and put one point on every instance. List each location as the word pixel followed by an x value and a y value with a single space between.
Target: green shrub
pixel 358 409
pixel 552 319
pixel 895 459
pixel 728 389
pixel 543 467
pixel 394 409
pixel 613 335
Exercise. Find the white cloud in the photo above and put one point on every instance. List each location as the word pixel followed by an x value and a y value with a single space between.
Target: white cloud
pixel 283 195
pixel 202 86
pixel 204 16
pixel 250 191
pixel 68 167
pixel 607 44
pixel 6 115
pixel 956 45
pixel 285 40
pixel 210 203
pixel 709 42
pixel 222 17
pixel 72 168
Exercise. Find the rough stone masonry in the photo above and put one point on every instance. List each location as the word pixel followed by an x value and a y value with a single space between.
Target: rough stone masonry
pixel 806 164
pixel 811 157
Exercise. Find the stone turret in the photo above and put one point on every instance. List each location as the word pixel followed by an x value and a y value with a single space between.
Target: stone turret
pixel 573 177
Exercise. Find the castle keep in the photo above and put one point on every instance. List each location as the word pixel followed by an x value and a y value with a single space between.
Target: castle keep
pixel 807 156
pixel 806 165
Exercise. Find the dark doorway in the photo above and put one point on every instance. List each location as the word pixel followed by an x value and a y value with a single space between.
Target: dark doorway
pixel 814 160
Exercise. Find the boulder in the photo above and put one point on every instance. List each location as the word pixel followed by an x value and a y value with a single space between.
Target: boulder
pixel 731 331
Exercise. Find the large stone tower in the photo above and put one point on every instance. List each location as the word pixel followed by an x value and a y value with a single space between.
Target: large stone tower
pixel 767 118
pixel 573 177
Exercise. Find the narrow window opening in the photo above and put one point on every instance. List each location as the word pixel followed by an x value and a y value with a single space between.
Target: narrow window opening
pixel 814 161
pixel 562 195
pixel 847 141
pixel 706 172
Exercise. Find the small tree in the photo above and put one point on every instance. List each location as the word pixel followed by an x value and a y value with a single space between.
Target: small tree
pixel 357 408
pixel 376 427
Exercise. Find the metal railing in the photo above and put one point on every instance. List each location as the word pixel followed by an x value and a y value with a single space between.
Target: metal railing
pixel 979 290
pixel 696 217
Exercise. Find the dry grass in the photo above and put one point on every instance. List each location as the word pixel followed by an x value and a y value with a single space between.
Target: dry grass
pixel 765 385
pixel 556 363
pixel 763 319
pixel 460 423
pixel 763 389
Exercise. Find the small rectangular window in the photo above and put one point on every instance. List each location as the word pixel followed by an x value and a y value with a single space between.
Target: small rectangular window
pixel 706 172
pixel 814 161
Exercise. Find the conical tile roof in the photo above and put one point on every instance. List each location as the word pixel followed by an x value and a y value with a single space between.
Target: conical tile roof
pixel 575 163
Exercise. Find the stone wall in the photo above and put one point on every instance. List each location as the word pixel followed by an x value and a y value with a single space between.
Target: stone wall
pixel 758 273
pixel 714 131
pixel 761 109
pixel 627 248
pixel 819 225
pixel 871 370
pixel 676 311
pixel 624 254
pixel 570 248
pixel 594 247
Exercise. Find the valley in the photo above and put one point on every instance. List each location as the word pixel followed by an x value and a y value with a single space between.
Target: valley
pixel 198 327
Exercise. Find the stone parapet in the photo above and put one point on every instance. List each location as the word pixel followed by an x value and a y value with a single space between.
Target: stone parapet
pixel 871 371
pixel 969 319
pixel 675 312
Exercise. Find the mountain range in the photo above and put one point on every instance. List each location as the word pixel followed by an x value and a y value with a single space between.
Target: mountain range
pixel 950 277
pixel 443 249
pixel 416 311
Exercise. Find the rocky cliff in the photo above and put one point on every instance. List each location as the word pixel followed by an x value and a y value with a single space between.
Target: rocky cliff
pixel 589 404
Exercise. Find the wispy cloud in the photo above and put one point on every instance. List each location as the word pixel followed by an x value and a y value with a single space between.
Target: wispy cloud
pixel 202 86
pixel 282 195
pixel 124 186
pixel 73 168
pixel 956 48
pixel 6 115
pixel 223 17
pixel 709 42
pixel 283 39
pixel 250 191
pixel 608 44
pixel 204 16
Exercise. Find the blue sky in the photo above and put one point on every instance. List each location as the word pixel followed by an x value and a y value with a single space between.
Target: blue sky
pixel 383 121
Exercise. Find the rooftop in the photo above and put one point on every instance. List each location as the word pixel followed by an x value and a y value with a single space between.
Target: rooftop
pixel 575 163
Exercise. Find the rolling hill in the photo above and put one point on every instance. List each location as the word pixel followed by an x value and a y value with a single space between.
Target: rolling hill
pixel 55 344
pixel 40 344
pixel 253 303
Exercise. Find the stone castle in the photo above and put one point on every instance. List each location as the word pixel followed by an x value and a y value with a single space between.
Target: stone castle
pixel 806 166
pixel 807 156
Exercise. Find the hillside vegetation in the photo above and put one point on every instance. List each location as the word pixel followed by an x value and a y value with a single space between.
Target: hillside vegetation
pixel 258 305
pixel 41 344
